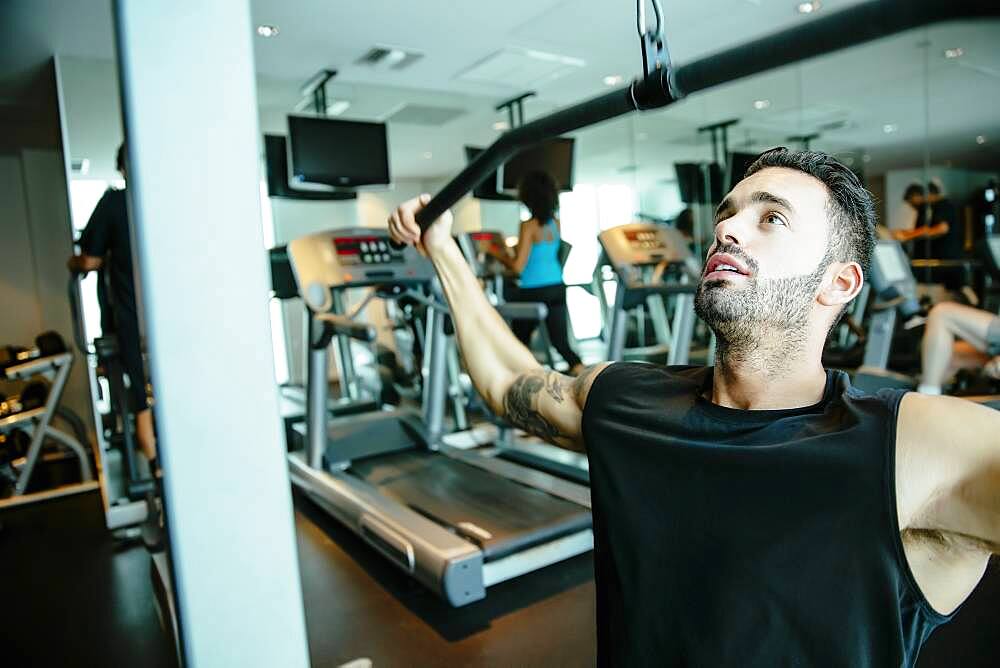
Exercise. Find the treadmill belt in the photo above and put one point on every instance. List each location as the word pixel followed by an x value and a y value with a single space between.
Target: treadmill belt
pixel 499 515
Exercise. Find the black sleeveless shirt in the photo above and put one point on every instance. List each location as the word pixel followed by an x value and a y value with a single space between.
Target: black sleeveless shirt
pixel 727 537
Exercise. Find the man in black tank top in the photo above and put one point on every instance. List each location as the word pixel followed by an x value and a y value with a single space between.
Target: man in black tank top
pixel 761 512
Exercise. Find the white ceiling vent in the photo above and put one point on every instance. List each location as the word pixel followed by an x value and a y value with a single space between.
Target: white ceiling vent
pixel 420 114
pixel 520 68
pixel 388 58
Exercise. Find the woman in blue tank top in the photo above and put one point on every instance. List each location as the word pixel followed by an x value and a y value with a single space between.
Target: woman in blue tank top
pixel 537 263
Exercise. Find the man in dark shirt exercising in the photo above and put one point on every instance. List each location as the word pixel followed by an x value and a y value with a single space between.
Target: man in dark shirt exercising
pixel 760 512
pixel 106 246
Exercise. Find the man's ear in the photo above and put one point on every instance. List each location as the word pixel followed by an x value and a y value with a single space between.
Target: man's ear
pixel 844 281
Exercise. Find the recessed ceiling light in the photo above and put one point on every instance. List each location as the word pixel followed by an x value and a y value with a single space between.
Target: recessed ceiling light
pixel 613 79
pixel 395 56
pixel 957 52
pixel 761 104
pixel 889 128
pixel 428 155
pixel 866 158
pixel 501 126
pixel 808 7
pixel 980 139
pixel 337 107
pixel 267 31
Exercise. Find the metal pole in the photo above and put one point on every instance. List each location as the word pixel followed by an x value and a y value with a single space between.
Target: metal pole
pixel 345 361
pixel 436 381
pixel 317 393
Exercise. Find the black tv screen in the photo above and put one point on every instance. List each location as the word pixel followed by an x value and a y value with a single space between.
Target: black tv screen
pixel 488 188
pixel 276 169
pixel 338 153
pixel 554 156
pixel 691 181
pixel 738 165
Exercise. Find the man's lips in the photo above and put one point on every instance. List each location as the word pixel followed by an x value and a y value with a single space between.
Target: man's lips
pixel 724 265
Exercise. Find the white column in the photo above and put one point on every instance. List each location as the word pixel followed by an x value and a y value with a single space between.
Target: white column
pixel 190 110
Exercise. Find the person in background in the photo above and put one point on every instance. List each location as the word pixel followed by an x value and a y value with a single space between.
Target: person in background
pixel 958 337
pixel 951 244
pixel 106 246
pixel 537 263
pixel 903 217
pixel 922 231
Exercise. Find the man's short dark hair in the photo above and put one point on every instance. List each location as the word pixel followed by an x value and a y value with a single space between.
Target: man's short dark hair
pixel 539 192
pixel 849 205
pixel 913 190
pixel 120 158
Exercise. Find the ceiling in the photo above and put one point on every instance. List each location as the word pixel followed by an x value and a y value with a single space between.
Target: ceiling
pixel 855 92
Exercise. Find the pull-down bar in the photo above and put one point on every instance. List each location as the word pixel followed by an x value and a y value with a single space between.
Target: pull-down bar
pixel 846 28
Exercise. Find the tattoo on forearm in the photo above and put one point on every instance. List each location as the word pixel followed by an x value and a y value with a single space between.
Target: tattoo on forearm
pixel 521 405
pixel 554 385
pixel 521 402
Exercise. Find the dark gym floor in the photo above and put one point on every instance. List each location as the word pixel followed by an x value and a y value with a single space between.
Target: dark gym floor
pixel 72 597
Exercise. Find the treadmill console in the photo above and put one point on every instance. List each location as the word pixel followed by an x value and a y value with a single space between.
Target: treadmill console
pixel 350 258
pixel 476 247
pixel 891 276
pixel 634 246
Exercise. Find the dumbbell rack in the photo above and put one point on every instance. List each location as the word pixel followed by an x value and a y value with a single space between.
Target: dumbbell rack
pixel 37 423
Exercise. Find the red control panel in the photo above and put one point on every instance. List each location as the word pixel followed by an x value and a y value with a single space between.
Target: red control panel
pixel 364 250
pixel 645 239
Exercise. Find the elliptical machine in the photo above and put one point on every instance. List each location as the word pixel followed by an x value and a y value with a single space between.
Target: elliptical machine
pixel 125 488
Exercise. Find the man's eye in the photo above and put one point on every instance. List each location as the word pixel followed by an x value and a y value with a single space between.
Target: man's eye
pixel 774 219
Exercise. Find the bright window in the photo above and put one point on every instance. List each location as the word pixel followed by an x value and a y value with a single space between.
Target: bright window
pixel 584 213
pixel 84 194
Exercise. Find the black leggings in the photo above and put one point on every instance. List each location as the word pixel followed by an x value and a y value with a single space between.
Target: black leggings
pixel 554 297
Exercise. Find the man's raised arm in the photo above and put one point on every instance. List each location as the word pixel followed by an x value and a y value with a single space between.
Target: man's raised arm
pixel 514 385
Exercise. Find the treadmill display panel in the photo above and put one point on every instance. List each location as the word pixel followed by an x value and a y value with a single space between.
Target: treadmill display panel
pixel 487 241
pixel 644 239
pixel 365 250
pixel 892 263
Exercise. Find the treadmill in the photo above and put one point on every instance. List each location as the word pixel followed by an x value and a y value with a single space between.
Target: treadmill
pixel 455 520
pixel 650 262
pixel 533 452
pixel 894 288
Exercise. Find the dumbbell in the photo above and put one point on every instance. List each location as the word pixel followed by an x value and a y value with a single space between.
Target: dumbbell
pixel 32 396
pixel 50 343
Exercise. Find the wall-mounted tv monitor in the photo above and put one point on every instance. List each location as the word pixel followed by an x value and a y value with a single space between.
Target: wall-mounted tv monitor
pixel 554 156
pixel 276 170
pixel 691 181
pixel 737 167
pixel 333 153
pixel 488 189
